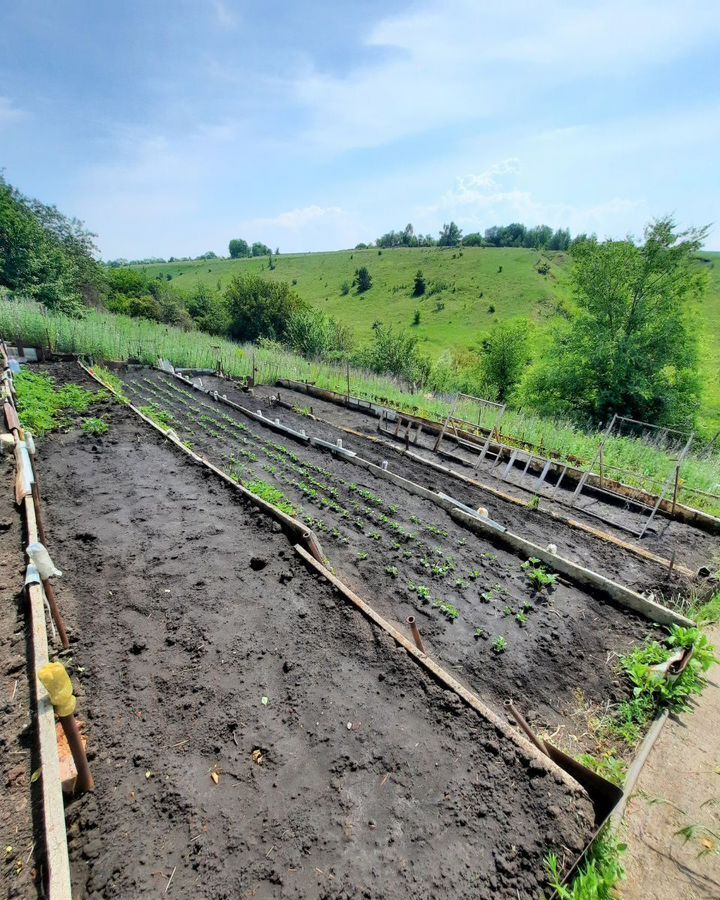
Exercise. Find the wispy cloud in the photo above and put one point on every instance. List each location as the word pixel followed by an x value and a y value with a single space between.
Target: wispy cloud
pixel 298 218
pixel 9 112
pixel 460 61
pixel 225 16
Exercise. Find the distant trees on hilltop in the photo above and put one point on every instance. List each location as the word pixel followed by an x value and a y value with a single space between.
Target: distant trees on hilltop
pixel 537 237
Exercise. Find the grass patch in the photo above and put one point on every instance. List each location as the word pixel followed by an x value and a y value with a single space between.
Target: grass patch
pixel 44 407
pixel 598 875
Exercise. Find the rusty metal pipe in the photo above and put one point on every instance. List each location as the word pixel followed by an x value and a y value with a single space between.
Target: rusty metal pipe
pixel 38 512
pixel 416 633
pixel 54 609
pixel 85 781
pixel 523 725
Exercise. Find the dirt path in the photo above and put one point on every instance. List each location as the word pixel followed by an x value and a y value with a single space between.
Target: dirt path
pixel 679 787
pixel 16 736
pixel 202 642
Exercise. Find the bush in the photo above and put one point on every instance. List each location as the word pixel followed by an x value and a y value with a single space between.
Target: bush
pixel 362 280
pixel 419 285
pixel 260 308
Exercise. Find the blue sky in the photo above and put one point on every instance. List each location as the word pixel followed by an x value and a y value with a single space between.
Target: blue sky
pixel 170 127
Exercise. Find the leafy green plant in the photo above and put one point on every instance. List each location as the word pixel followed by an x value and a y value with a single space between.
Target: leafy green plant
pixel 597 876
pixel 362 555
pixel 609 765
pixel 392 571
pixel 159 416
pixel 499 645
pixel 480 633
pixel 521 618
pixel 272 495
pixel 538 574
pixel 447 609
pixel 95 426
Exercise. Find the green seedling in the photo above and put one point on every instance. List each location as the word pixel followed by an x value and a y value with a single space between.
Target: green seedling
pixel 499 645
pixel 447 609
pixel 521 618
pixel 480 633
pixel 508 611
pixel 95 426
pixel 538 574
pixel 362 555
pixel 392 571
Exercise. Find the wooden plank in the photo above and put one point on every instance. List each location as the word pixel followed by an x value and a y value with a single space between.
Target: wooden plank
pixel 58 876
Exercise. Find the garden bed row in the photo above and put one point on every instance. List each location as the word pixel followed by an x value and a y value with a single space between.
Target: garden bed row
pixel 271 741
pixel 692 546
pixel 506 625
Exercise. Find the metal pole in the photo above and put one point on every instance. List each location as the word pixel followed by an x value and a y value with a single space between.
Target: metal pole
pixel 415 633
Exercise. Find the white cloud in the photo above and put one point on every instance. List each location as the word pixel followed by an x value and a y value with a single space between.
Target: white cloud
pixel 299 218
pixel 9 113
pixel 456 61
pixel 226 17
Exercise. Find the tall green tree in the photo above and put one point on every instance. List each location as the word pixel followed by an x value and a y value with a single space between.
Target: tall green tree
pixel 46 255
pixel 505 358
pixel 260 308
pixel 450 235
pixel 238 248
pixel 631 347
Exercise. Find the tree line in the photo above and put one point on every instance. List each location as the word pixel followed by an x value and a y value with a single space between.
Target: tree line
pixel 628 346
pixel 539 237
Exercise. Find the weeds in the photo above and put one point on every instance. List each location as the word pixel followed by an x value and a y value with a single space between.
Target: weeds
pixel 95 426
pixel 272 495
pixel 598 875
pixel 160 417
pixel 42 404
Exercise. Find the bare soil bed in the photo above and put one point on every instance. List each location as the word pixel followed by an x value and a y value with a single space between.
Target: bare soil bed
pixel 406 556
pixel 610 560
pixel 693 546
pixel 252 735
pixel 20 876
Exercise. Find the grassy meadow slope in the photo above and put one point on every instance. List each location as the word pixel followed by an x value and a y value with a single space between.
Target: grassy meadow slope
pixel 462 288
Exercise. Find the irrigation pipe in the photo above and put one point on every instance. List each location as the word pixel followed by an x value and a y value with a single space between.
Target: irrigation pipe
pixel 485 526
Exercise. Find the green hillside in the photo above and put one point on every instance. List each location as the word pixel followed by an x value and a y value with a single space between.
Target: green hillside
pixel 468 291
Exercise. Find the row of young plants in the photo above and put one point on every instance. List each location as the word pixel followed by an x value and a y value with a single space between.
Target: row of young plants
pixel 356 509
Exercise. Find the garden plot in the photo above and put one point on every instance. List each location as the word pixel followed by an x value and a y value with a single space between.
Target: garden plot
pixel 252 735
pixel 507 626
pixel 642 575
pixel 693 546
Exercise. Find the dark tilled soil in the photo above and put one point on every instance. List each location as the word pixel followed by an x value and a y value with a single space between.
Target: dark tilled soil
pixel 694 547
pixel 18 865
pixel 641 575
pixel 187 610
pixel 560 657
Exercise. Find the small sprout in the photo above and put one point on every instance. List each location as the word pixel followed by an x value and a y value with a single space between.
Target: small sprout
pixel 447 609
pixel 362 555
pixel 392 571
pixel 480 633
pixel 95 426
pixel 474 575
pixel 534 503
pixel 499 645
pixel 460 584
pixel 508 611
pixel 521 618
